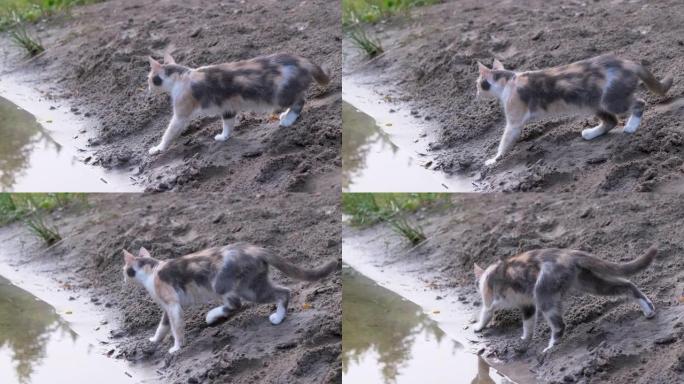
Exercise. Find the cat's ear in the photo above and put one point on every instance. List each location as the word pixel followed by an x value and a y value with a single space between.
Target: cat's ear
pixel 497 66
pixel 144 252
pixel 168 59
pixel 128 257
pixel 483 69
pixel 478 271
pixel 154 64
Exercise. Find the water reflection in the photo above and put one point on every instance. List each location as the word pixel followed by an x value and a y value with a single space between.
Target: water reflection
pixel 361 136
pixel 26 326
pixel 21 134
pixel 389 340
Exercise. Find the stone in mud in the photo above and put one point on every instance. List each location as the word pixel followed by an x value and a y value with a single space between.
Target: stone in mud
pixel 669 339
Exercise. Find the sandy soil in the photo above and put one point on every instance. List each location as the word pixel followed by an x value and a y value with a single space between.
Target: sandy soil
pixel 430 63
pixel 305 348
pixel 97 58
pixel 607 340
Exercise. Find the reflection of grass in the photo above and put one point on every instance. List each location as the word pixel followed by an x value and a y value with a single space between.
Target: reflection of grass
pixel 392 208
pixel 13 11
pixel 377 320
pixel 371 11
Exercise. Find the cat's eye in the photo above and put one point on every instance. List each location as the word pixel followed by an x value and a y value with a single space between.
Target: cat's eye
pixel 156 80
pixel 485 85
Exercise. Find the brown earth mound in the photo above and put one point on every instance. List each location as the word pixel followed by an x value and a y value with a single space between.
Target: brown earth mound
pixel 98 58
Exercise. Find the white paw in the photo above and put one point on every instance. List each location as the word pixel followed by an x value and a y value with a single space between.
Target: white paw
pixel 491 161
pixel 287 118
pixel 221 137
pixel 174 349
pixel 650 315
pixel 547 349
pixel 632 125
pixel 590 133
pixel 156 149
pixel 478 328
pixel 214 315
pixel 153 340
pixel 276 318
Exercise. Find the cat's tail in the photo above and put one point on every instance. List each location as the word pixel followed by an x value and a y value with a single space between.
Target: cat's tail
pixel 296 272
pixel 655 86
pixel 317 72
pixel 619 269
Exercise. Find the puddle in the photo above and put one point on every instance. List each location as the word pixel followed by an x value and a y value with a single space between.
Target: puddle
pixel 37 346
pixel 387 339
pixel 51 332
pixel 38 151
pixel 385 151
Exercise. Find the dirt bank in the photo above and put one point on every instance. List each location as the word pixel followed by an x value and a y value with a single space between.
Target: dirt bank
pixel 305 348
pixel 430 62
pixel 96 58
pixel 607 340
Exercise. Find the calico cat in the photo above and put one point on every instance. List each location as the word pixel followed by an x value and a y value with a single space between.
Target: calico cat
pixel 231 274
pixel 539 279
pixel 603 86
pixel 261 84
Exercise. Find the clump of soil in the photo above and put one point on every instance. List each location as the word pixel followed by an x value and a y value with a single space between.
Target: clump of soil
pixel 430 62
pixel 98 57
pixel 304 228
pixel 607 339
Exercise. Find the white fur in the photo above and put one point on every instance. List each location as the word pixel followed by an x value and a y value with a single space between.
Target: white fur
pixel 632 124
pixel 227 128
pixel 278 316
pixel 592 133
pixel 288 118
pixel 528 328
pixel 215 314
pixel 646 308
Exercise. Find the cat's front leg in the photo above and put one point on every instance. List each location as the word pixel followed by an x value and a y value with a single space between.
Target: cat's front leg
pixel 162 329
pixel 508 139
pixel 176 126
pixel 485 316
pixel 176 318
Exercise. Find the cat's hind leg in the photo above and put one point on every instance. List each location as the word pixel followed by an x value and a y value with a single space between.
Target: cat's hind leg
pixel 228 119
pixel 288 117
pixel 162 329
pixel 635 118
pixel 218 315
pixel 529 313
pixel 608 122
pixel 615 286
pixel 282 297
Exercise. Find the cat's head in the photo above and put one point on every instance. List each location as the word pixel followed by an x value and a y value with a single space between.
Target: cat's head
pixel 159 75
pixel 138 266
pixel 481 275
pixel 488 82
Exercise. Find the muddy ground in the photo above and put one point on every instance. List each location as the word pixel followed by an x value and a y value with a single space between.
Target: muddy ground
pixel 429 64
pixel 96 59
pixel 607 340
pixel 305 348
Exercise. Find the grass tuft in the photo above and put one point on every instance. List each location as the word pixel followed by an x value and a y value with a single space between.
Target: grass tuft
pixel 366 209
pixel 362 41
pixel 29 11
pixel 372 11
pixel 21 38
pixel 37 225
pixel 33 208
